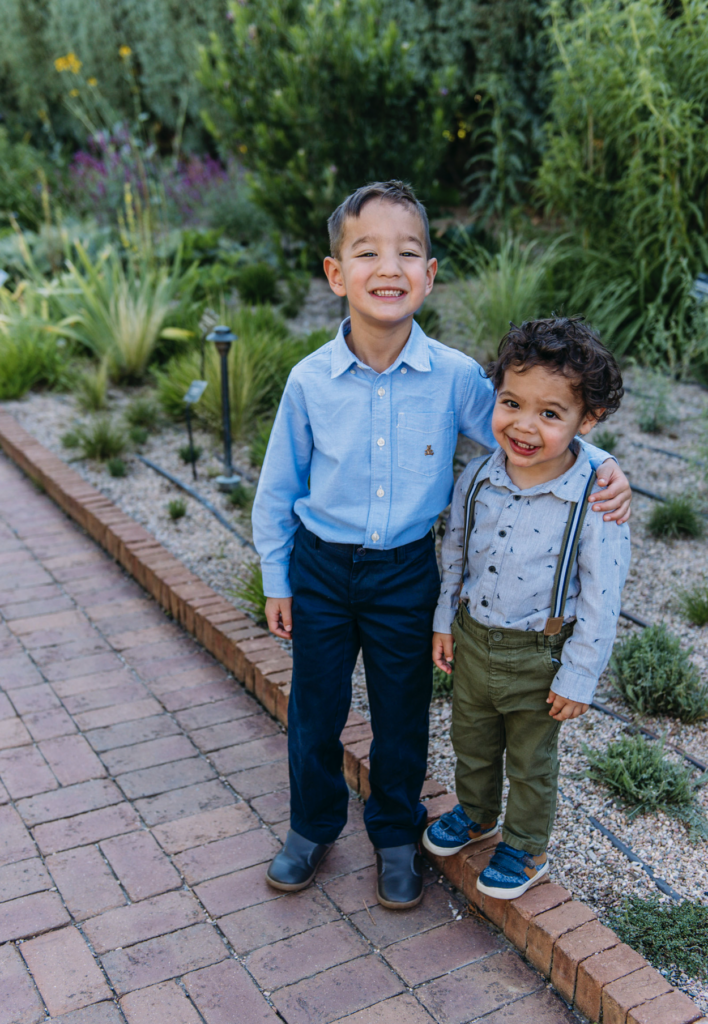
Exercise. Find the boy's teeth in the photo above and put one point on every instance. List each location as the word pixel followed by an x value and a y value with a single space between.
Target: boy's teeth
pixel 522 444
pixel 388 291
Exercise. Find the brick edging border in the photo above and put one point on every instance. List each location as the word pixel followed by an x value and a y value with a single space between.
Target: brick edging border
pixel 585 961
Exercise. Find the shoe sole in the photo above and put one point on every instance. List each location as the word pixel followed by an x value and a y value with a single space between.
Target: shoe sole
pixel 446 851
pixel 295 886
pixel 389 905
pixel 511 894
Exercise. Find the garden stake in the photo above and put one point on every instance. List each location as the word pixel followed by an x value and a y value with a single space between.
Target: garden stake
pixel 223 339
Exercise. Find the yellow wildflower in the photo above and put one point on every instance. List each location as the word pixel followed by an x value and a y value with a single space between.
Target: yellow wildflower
pixel 243 149
pixel 93 82
pixel 124 52
pixel 70 62
pixel 74 93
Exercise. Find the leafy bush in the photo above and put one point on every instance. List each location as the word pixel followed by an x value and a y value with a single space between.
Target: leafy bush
pixel 91 387
pixel 188 454
pixel 429 320
pixel 676 517
pixel 116 467
pixel 694 604
pixel 143 411
pixel 249 590
pixel 241 496
pixel 23 175
pixel 99 439
pixel 29 356
pixel 670 935
pixel 119 314
pixel 626 161
pixel 138 435
pixel 259 364
pixel 257 283
pixel 605 439
pixel 259 442
pixel 177 508
pixel 656 676
pixel 638 772
pixel 328 98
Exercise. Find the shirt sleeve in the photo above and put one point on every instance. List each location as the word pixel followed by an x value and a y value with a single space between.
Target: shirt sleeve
pixel 596 455
pixel 603 562
pixel 283 480
pixel 452 554
pixel 477 407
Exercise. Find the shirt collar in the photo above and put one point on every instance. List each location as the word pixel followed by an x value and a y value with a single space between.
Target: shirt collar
pixel 415 352
pixel 569 486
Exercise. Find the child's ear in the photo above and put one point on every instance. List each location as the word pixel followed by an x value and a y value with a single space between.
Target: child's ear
pixel 590 420
pixel 333 271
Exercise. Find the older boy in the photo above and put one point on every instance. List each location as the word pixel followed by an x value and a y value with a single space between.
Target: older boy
pixel 358 468
pixel 533 587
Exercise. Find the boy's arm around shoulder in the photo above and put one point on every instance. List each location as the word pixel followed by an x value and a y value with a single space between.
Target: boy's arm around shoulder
pixel 283 480
pixel 615 499
pixel 452 551
pixel 603 562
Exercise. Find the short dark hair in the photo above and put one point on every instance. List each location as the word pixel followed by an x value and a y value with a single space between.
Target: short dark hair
pixel 394 191
pixel 569 346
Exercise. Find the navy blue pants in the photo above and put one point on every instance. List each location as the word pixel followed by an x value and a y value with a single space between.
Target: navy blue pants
pixel 382 602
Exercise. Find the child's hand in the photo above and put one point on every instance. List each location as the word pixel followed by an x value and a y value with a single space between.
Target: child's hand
pixel 616 497
pixel 279 614
pixel 443 651
pixel 563 709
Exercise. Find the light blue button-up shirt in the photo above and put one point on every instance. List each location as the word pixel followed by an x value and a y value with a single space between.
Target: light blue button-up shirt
pixel 365 458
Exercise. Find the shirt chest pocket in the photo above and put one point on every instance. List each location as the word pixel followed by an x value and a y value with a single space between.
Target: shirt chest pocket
pixel 426 442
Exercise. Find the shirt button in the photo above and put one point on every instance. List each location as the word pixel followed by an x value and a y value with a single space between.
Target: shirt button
pixel 381 442
pixel 352 371
pixel 380 492
pixel 382 392
pixel 497 636
pixel 374 536
pixel 484 602
pixel 404 370
pixel 492 568
pixel 517 497
pixel 502 533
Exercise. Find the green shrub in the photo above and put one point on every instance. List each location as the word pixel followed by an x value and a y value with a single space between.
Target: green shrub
pixel 442 682
pixel 177 508
pixel 190 454
pixel 655 413
pixel 71 439
pixel 656 676
pixel 23 173
pixel 694 604
pixel 91 389
pixel 241 496
pixel 637 771
pixel 626 159
pixel 138 435
pixel 100 439
pixel 259 442
pixel 257 283
pixel 429 320
pixel 116 467
pixel 605 439
pixel 328 97
pixel 33 351
pixel 676 517
pixel 143 412
pixel 673 936
pixel 249 590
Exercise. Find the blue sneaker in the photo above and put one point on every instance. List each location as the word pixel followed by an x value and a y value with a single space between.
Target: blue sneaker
pixel 454 831
pixel 511 872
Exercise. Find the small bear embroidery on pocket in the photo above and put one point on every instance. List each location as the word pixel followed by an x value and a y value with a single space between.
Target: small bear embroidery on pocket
pixel 429 450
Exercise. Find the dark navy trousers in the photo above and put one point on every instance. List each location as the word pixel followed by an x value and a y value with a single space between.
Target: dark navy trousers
pixel 382 602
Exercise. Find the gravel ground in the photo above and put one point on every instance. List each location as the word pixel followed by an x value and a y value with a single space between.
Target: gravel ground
pixel 582 858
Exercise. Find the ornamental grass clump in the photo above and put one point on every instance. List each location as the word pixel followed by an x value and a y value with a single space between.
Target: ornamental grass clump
pixel 177 509
pixel 656 676
pixel 257 284
pixel 100 439
pixel 637 771
pixel 676 518
pixel 605 439
pixel 249 590
pixel 693 602
pixel 673 936
pixel 143 412
pixel 91 389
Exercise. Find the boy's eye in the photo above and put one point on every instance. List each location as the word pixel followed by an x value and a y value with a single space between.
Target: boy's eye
pixel 549 414
pixel 360 254
pixel 408 253
pixel 511 403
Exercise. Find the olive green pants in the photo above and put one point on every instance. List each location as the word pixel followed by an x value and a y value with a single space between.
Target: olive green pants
pixel 502 680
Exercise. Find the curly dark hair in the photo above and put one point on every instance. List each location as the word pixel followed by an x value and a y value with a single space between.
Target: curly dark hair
pixel 569 346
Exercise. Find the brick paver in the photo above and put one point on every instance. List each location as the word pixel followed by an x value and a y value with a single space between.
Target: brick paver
pixel 142 792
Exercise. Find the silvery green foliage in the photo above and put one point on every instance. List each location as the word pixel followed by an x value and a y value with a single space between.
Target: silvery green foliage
pixel 164 36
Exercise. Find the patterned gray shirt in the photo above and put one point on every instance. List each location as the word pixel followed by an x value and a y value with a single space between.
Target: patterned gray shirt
pixel 513 553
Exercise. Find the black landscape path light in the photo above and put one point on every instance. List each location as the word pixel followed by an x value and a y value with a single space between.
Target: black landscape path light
pixel 194 392
pixel 223 339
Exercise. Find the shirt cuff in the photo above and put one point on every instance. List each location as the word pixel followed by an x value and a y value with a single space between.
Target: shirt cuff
pixel 443 618
pixel 276 580
pixel 574 685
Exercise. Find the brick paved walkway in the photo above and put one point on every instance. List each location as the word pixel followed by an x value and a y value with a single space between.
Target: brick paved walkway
pixel 142 792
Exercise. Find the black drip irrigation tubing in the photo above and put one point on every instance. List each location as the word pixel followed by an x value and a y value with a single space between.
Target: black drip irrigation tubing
pixel 665 451
pixel 195 494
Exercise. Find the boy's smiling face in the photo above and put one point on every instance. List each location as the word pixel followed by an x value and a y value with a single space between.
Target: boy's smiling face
pixel 536 416
pixel 383 270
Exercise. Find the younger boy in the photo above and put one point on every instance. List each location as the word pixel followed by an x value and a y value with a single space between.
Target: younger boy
pixel 534 587
pixel 358 468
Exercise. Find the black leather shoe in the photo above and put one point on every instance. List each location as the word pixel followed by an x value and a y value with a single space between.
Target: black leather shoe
pixel 297 863
pixel 400 878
